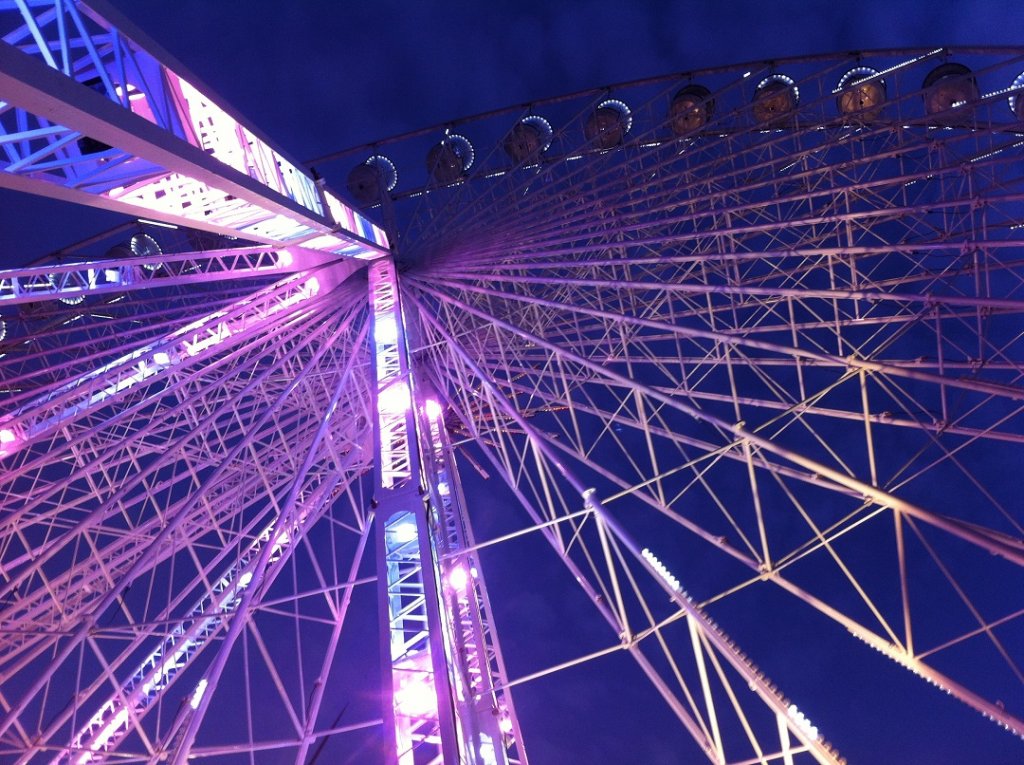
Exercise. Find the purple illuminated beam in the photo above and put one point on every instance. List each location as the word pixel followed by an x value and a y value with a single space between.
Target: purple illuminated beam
pixel 69 281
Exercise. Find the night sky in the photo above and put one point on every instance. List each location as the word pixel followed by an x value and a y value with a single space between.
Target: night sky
pixel 317 77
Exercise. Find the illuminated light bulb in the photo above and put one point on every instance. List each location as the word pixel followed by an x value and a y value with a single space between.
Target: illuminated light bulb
pixel 432 408
pixel 284 259
pixel 312 286
pixel 385 329
pixel 394 398
pixel 7 436
pixel 161 358
pixel 197 694
pixel 244 579
pixel 487 754
pixel 416 698
pixel 505 725
pixel 458 578
pixel 404 532
pixel 134 94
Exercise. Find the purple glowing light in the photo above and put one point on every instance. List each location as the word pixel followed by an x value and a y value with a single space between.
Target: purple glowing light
pixel 403 532
pixel 432 408
pixel 416 697
pixel 385 329
pixel 394 398
pixel 458 578
pixel 9 441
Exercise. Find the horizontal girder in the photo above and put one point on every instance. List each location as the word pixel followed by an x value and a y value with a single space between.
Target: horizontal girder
pixel 90 114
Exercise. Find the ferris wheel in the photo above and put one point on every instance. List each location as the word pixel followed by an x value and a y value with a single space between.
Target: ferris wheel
pixel 666 386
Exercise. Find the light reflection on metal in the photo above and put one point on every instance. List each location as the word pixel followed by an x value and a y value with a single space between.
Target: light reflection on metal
pixel 409 607
pixel 800 719
pixel 414 692
pixel 197 694
pixel 438 630
pixel 662 570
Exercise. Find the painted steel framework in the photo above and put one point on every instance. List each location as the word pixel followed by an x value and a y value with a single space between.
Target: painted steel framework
pixel 764 317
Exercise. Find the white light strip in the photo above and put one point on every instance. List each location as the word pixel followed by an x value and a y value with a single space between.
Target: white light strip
pixel 156 223
pixel 662 570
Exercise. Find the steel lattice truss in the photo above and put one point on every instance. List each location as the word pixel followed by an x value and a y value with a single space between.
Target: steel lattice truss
pixel 759 324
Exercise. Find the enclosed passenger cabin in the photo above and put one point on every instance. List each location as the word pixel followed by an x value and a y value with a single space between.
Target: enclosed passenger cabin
pixel 368 182
pixel 949 89
pixel 861 94
pixel 448 161
pixel 775 100
pixel 691 109
pixel 607 126
pixel 528 139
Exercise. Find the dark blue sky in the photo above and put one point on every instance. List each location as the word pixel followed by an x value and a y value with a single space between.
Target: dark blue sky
pixel 320 76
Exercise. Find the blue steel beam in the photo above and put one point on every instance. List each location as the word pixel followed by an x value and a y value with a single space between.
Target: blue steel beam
pixel 91 113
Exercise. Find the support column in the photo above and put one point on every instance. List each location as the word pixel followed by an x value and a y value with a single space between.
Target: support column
pixel 418 699
pixel 442 667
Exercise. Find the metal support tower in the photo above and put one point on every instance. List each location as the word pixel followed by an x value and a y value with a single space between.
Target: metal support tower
pixel 441 661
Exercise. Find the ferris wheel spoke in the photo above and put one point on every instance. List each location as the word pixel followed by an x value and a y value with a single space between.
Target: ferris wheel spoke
pixel 289 518
pixel 184 420
pixel 109 381
pixel 188 468
pixel 581 451
pixel 891 370
pixel 983 624
pixel 755 363
pixel 110 725
pixel 753 563
pixel 201 628
pixel 217 514
pixel 716 421
pixel 670 282
pixel 563 402
pixel 211 511
pixel 176 520
pixel 543 396
pixel 602 571
pixel 40 348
